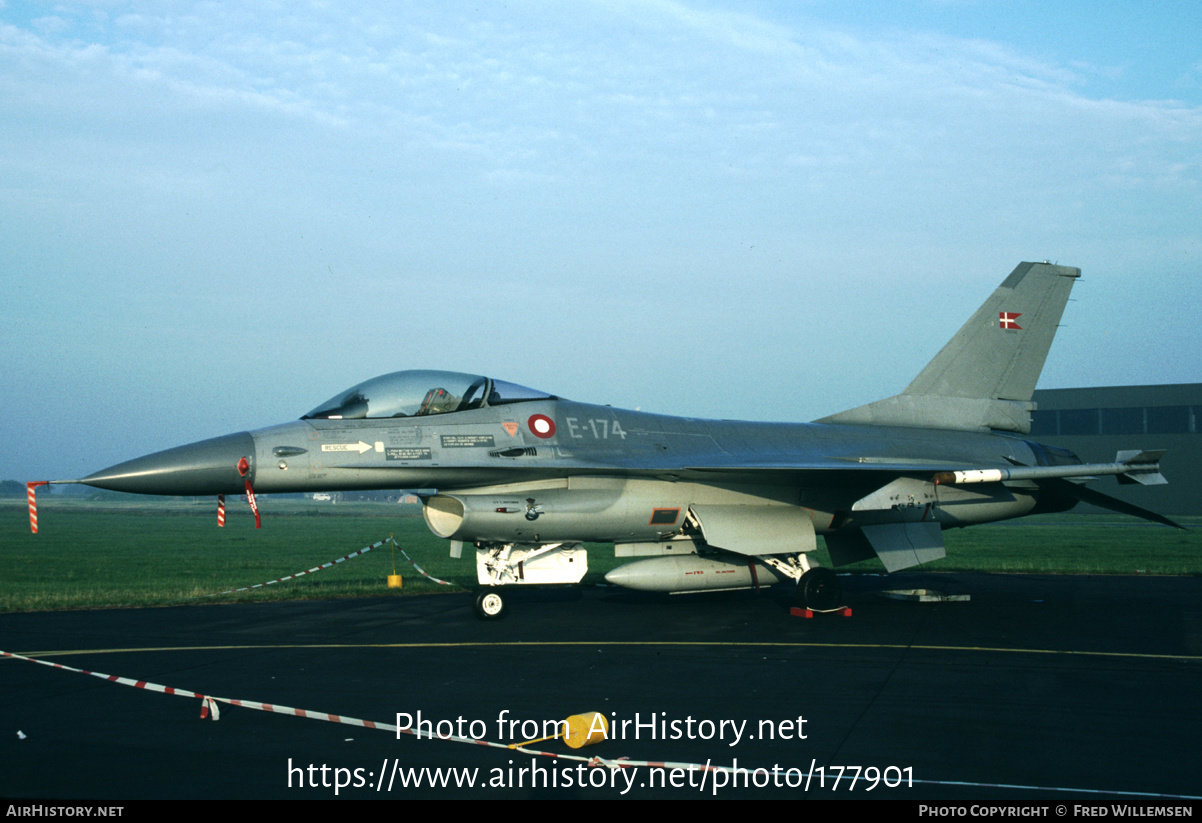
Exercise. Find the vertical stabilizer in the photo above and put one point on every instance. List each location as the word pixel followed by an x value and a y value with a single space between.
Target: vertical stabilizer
pixel 984 377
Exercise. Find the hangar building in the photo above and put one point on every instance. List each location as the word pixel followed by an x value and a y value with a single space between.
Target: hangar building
pixel 1096 423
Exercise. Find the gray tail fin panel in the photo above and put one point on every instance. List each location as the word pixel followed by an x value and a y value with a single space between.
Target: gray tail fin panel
pixel 984 377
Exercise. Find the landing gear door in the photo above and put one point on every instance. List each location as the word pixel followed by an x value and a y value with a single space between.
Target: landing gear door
pixel 757 530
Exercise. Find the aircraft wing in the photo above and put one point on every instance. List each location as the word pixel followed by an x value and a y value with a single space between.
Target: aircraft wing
pixel 1141 467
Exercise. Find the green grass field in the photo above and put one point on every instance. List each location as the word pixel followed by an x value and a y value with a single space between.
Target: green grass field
pixel 152 551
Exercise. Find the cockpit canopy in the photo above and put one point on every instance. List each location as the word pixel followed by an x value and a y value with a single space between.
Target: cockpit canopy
pixel 418 393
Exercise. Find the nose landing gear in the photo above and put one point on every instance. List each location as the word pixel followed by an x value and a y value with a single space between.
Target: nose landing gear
pixel 489 605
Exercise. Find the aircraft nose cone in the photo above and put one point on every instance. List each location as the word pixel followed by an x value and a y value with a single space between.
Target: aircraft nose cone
pixel 205 467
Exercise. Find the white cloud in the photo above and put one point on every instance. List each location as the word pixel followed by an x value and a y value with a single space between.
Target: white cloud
pixel 693 180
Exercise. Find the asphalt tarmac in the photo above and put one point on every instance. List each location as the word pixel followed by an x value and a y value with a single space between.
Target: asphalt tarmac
pixel 1040 688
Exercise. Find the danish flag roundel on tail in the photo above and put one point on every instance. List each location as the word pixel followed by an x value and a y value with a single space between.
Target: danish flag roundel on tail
pixel 1006 320
pixel 541 426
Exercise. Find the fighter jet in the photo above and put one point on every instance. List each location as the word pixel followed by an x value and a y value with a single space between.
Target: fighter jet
pixel 524 477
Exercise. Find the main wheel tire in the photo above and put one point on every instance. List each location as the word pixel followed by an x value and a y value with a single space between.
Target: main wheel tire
pixel 490 605
pixel 820 590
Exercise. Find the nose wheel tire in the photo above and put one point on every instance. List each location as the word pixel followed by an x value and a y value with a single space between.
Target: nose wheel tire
pixel 489 605
pixel 820 590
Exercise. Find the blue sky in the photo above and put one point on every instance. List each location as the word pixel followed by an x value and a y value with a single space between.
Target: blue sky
pixel 215 216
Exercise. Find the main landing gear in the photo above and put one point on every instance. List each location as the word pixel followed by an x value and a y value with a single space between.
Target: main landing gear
pixel 819 590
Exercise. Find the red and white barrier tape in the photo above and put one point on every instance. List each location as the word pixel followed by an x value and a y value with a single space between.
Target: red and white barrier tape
pixel 420 570
pixel 343 559
pixel 209 702
pixel 362 551
pixel 209 709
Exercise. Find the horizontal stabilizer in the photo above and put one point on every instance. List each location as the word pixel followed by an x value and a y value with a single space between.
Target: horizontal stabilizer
pixel 1105 501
